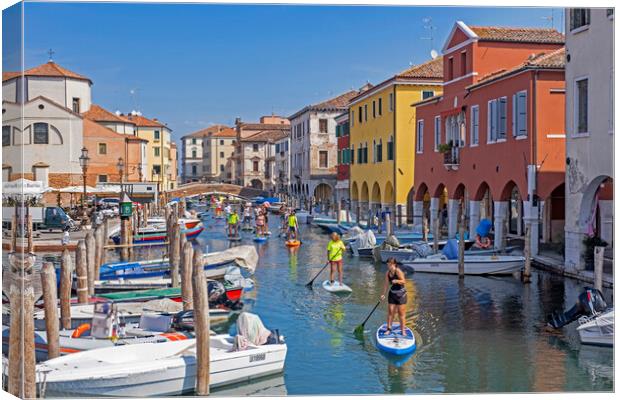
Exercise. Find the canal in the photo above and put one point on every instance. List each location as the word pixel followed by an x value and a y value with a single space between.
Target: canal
pixel 478 334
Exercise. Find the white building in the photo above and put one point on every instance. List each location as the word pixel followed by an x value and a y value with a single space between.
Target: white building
pixel 218 147
pixel 51 131
pixel 589 129
pixel 282 164
pixel 314 150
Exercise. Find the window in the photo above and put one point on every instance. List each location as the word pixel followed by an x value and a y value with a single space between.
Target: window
pixel 581 106
pixel 353 155
pixel 374 109
pixel 390 149
pixel 322 125
pixel 379 150
pixel 579 17
pixel 427 93
pixel 322 159
pixel 102 178
pixel 6 135
pixel 359 114
pixel 391 101
pixel 221 142
pixel 255 166
pixel 610 13
pixel 222 167
pixel 365 153
pixel 365 112
pixel 437 132
pixel 492 121
pixel 193 140
pixel 519 114
pixel 450 68
pixel 103 148
pixel 75 105
pixel 277 147
pixel 255 147
pixel 156 151
pixel 501 118
pixel 194 170
pixel 41 134
pixel 380 106
pixel 194 154
pixel 156 135
pixel 352 117
pixel 360 154
pixel 419 137
pixel 374 151
pixel 475 122
pixel 156 169
pixel 221 154
pixel 463 63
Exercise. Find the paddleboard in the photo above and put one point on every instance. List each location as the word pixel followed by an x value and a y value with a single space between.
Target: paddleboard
pixel 234 238
pixel 293 243
pixel 260 239
pixel 336 287
pixel 395 342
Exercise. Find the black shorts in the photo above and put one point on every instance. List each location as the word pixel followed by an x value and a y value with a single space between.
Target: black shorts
pixel 398 297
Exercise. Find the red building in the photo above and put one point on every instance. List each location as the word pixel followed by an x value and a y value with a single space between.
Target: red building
pixel 344 157
pixel 495 138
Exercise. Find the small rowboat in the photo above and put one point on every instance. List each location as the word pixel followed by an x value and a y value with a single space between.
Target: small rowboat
pixel 293 243
pixel 394 342
pixel 336 287
pixel 158 234
pixel 474 265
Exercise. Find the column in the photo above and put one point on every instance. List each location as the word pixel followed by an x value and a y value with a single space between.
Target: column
pixel 433 209
pixel 418 214
pixel 531 218
pixel 453 217
pixel 606 210
pixel 474 217
pixel 500 208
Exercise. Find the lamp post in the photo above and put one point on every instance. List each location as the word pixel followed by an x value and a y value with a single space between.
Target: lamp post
pixel 140 172
pixel 120 165
pixel 84 159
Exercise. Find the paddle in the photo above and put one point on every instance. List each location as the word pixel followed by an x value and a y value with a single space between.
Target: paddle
pixel 360 328
pixel 309 284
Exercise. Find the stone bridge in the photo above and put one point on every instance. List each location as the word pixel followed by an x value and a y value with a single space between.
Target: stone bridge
pixel 194 188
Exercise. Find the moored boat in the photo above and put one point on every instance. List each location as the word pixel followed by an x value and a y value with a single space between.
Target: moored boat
pixel 597 329
pixel 474 265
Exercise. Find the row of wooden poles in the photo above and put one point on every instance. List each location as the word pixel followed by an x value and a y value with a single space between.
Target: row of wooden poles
pixel 187 269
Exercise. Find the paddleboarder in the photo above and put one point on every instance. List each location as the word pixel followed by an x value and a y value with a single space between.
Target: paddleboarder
pixel 293 227
pixel 233 224
pixel 260 223
pixel 397 297
pixel 335 249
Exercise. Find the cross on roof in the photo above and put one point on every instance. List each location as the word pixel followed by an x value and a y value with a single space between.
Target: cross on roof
pixel 51 53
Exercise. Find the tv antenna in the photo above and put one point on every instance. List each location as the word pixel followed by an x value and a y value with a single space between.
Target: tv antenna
pixel 428 25
pixel 134 97
pixel 550 18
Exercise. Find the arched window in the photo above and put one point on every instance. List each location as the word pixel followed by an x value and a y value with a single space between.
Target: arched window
pixel 41 133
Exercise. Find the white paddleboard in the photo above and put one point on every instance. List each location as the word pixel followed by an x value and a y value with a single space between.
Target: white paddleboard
pixel 336 287
pixel 394 342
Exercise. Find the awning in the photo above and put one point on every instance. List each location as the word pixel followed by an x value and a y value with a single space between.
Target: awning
pixel 342 184
pixel 24 187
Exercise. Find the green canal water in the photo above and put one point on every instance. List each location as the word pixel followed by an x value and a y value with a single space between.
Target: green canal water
pixel 478 334
pixel 473 335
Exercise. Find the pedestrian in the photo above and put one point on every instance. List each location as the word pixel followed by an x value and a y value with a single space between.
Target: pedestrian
pixel 397 297
pixel 66 237
pixel 335 248
pixel 247 214
pixel 233 223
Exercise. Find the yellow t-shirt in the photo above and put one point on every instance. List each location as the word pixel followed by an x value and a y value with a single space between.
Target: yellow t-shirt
pixel 292 221
pixel 335 250
pixel 233 219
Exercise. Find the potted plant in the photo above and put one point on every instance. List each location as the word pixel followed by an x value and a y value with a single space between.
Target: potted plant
pixel 591 242
pixel 444 147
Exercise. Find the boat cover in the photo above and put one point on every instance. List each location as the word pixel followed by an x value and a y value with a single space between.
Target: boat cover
pixel 451 249
pixel 233 275
pixel 364 240
pixel 484 227
pixel 250 330
pixel 244 256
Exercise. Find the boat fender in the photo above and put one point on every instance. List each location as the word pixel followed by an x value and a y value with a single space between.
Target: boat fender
pixel 80 330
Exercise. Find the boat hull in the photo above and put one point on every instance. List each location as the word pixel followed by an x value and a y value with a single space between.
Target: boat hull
pixel 474 265
pixel 597 331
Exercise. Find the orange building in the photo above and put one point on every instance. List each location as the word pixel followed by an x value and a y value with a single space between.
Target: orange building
pixel 495 138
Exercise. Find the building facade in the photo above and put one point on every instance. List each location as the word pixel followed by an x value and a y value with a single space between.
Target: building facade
pixel 282 165
pixel 218 149
pixel 382 126
pixel 493 142
pixel 590 130
pixel 314 149
pixel 343 159
pixel 192 160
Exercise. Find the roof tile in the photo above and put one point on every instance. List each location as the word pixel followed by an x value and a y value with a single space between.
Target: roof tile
pixel 521 35
pixel 48 69
pixel 432 69
pixel 98 113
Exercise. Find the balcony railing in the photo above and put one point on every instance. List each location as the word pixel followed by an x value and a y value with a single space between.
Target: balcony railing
pixel 451 159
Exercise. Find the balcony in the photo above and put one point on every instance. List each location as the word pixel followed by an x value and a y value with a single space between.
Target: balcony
pixel 451 159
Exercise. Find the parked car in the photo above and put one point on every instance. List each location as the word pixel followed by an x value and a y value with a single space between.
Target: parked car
pixel 109 202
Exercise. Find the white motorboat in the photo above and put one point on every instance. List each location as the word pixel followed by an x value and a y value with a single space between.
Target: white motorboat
pixel 474 265
pixel 155 369
pixel 597 329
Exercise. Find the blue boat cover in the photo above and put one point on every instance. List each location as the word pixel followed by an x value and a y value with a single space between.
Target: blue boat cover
pixel 451 249
pixel 484 227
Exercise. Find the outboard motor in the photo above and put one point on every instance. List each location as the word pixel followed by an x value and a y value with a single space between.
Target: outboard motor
pixel 589 302
pixel 216 292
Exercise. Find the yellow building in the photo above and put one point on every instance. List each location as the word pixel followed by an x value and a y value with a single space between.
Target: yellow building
pixel 160 156
pixel 382 138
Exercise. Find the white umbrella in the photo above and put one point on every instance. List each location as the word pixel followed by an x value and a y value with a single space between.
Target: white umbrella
pixel 77 189
pixel 24 187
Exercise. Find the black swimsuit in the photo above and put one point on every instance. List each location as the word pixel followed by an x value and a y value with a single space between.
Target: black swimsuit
pixel 398 293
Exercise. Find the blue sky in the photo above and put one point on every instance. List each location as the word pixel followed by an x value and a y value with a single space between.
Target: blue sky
pixel 191 65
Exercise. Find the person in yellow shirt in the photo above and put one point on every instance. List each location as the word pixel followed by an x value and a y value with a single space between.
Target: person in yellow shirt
pixel 335 249
pixel 233 223
pixel 293 227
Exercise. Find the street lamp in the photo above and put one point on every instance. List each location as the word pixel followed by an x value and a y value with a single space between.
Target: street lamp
pixel 84 159
pixel 140 172
pixel 120 165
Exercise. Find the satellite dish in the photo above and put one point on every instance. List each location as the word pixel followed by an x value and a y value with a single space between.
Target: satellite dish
pixel 434 54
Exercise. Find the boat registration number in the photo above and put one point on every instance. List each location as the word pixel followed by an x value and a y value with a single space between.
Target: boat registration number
pixel 258 357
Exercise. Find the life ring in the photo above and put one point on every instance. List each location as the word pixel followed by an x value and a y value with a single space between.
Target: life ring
pixel 79 331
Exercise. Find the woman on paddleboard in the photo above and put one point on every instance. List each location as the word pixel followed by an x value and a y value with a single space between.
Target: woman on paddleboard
pixel 260 223
pixel 335 249
pixel 397 297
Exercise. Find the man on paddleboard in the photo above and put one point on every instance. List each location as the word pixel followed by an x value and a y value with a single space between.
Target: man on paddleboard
pixel 233 224
pixel 397 297
pixel 293 227
pixel 335 249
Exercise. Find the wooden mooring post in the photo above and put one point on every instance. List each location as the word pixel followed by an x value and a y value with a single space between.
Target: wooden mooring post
pixel 201 324
pixel 50 304
pixel 527 254
pixel 21 367
pixel 174 253
pixel 186 276
pixel 98 250
pixel 425 229
pixel 436 235
pixel 388 223
pixel 81 272
pixel 462 243
pixel 599 252
pixel 66 269
pixel 90 261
